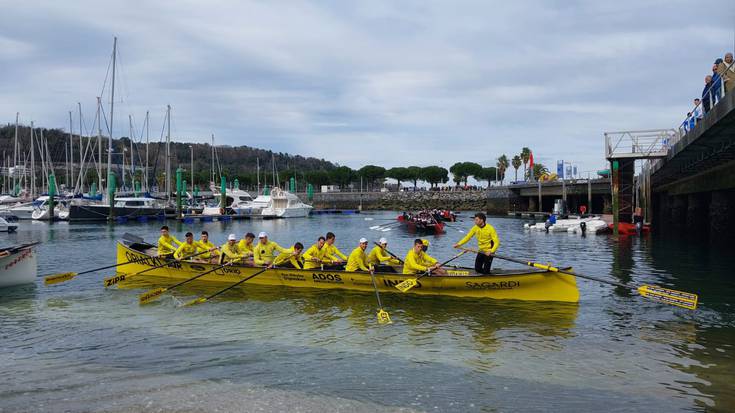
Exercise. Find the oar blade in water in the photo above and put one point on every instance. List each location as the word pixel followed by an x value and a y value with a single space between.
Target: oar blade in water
pixel 384 317
pixel 673 297
pixel 151 295
pixel 59 278
pixel 406 285
pixel 195 302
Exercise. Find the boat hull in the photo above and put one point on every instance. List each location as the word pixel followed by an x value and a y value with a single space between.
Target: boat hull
pixel 533 285
pixel 101 212
pixel 18 268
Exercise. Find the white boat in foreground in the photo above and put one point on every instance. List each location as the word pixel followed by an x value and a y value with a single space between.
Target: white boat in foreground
pixel 18 265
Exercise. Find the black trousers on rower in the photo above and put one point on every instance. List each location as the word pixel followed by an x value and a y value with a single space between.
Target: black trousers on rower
pixel 483 263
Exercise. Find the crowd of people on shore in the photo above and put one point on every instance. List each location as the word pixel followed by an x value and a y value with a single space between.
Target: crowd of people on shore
pixel 324 254
pixel 716 85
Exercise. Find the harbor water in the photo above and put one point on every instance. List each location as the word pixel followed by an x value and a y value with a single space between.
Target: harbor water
pixel 80 347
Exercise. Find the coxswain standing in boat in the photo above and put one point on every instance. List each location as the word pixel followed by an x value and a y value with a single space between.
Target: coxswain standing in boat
pixel 187 249
pixel 416 263
pixel 204 244
pixel 230 251
pixel 291 258
pixel 358 259
pixel 380 259
pixel 167 243
pixel 333 253
pixel 315 256
pixel 487 243
pixel 246 246
pixel 264 251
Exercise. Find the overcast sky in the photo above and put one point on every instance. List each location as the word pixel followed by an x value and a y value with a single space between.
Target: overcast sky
pixel 393 83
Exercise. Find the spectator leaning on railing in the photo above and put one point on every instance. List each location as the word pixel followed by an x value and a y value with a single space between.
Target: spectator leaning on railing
pixel 697 112
pixel 706 93
pixel 716 83
pixel 726 70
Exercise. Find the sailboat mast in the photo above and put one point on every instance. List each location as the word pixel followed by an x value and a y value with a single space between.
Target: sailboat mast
pixel 99 142
pixel 33 166
pixel 81 151
pixel 214 176
pixel 112 111
pixel 147 136
pixel 71 152
pixel 168 152
pixel 257 163
pixel 15 150
pixel 132 158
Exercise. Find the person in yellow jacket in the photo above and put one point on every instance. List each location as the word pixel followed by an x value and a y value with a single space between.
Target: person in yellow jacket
pixel 291 258
pixel 416 261
pixel 333 253
pixel 230 251
pixel 187 248
pixel 167 243
pixel 380 259
pixel 315 256
pixel 246 245
pixel 263 251
pixel 204 244
pixel 358 259
pixel 487 243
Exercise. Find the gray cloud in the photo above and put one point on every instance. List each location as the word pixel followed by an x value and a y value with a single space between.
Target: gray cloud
pixel 392 83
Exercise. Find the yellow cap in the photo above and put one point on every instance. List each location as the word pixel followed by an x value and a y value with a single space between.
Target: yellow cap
pixel 425 242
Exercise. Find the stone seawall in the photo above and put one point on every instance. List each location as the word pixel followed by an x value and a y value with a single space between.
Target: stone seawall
pixel 495 200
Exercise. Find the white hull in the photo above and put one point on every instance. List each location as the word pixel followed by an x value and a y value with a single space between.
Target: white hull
pixel 18 268
pixel 42 214
pixel 299 212
pixel 23 212
pixel 594 225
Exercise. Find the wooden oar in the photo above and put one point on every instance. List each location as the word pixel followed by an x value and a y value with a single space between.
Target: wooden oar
pixel 663 295
pixel 383 316
pixel 110 281
pixel 412 282
pixel 389 253
pixel 67 276
pixel 205 299
pixel 153 295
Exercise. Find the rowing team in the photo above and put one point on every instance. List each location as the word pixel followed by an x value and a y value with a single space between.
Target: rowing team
pixel 324 254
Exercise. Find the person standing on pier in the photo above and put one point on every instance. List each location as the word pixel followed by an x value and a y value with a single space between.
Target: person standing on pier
pixel 726 69
pixel 487 243
pixel 167 243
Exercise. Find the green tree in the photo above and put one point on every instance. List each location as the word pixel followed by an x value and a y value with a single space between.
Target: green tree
pixel 399 174
pixel 516 162
pixel 342 176
pixel 463 170
pixel 502 166
pixel 525 157
pixel 372 174
pixel 415 175
pixel 486 174
pixel 538 170
pixel 435 175
pixel 318 178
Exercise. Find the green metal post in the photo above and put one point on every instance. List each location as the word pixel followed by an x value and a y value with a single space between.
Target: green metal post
pixel 111 194
pixel 136 186
pixel 292 184
pixel 179 173
pixel 223 195
pixel 51 194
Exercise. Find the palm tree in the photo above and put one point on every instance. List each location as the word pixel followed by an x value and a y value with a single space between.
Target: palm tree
pixel 516 162
pixel 502 166
pixel 525 156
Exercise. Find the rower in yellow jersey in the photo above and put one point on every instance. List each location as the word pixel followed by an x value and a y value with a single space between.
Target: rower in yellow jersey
pixel 167 243
pixel 187 248
pixel 291 258
pixel 315 256
pixel 230 251
pixel 333 253
pixel 418 262
pixel 358 259
pixel 380 259
pixel 246 246
pixel 204 244
pixel 487 243
pixel 264 250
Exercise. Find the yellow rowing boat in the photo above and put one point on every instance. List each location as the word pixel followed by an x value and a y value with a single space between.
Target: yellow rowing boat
pixel 532 285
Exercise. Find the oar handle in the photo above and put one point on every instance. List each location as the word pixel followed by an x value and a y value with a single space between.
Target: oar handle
pixel 390 253
pixel 552 268
pixel 443 264
pixel 236 284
